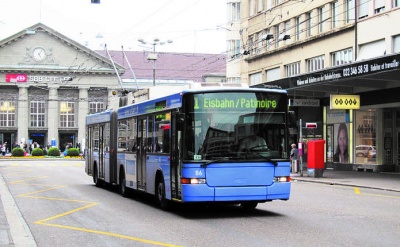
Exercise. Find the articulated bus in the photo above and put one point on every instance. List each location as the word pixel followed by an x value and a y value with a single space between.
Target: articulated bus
pixel 197 146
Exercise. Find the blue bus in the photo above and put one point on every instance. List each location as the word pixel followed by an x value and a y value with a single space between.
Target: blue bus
pixel 214 145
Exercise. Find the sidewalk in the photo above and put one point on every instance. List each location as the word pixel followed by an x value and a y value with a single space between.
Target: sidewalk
pixel 15 232
pixel 372 180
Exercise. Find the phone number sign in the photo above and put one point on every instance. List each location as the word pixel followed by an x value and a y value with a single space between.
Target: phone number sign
pixel 352 70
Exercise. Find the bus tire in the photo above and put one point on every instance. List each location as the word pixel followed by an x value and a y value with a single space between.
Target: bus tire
pixel 122 185
pixel 160 195
pixel 248 205
pixel 96 179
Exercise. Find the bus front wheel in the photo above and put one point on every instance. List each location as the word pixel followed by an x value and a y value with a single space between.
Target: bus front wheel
pixel 160 195
pixel 248 205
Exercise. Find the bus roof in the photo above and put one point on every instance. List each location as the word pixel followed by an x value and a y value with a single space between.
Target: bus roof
pixel 175 100
pixel 99 117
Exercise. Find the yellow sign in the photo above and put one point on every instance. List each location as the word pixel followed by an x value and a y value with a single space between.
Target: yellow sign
pixel 345 101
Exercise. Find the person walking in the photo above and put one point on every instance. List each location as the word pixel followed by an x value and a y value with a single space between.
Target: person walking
pixel 3 149
pixel 294 156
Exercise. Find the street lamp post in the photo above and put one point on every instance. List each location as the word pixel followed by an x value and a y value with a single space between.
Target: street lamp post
pixel 154 56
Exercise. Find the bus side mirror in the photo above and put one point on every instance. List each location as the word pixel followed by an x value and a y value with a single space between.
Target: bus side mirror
pixel 181 118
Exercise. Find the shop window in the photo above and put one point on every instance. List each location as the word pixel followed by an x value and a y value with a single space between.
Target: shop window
pixel 365 137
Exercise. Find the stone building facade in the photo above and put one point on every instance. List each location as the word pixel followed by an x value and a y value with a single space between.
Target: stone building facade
pixel 48 84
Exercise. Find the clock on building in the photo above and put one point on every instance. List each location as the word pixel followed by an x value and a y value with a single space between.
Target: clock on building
pixel 39 54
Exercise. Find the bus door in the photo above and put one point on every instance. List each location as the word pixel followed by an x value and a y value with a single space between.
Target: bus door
pixel 88 150
pixel 176 141
pixel 101 152
pixel 141 153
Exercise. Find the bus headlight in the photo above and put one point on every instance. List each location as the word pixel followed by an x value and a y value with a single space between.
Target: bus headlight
pixel 193 180
pixel 282 179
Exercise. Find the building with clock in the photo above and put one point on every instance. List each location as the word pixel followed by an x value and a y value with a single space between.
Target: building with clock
pixel 49 83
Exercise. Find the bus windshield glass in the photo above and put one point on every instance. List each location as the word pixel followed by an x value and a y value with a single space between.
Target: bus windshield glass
pixel 232 125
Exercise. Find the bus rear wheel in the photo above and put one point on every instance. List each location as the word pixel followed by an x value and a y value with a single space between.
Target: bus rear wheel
pixel 160 195
pixel 122 185
pixel 96 179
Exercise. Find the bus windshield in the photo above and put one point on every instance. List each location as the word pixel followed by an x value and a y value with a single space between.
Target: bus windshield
pixel 235 126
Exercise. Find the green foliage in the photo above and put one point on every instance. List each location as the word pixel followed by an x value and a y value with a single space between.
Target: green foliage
pixel 53 152
pixel 73 152
pixel 37 152
pixel 17 152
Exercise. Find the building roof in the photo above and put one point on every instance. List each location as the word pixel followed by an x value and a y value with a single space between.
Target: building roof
pixel 106 64
pixel 170 66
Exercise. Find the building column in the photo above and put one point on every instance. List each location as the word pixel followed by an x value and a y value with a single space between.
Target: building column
pixel 23 114
pixel 82 112
pixel 53 115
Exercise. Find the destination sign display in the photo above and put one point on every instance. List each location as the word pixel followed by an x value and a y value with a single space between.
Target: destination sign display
pixel 236 103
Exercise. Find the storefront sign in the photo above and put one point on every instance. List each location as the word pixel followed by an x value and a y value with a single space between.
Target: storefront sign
pixel 16 78
pixel 305 102
pixel 355 69
pixel 336 116
pixel 345 101
pixel 36 78
pixel 39 78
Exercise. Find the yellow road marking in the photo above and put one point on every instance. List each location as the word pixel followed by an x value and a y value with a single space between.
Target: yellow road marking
pixel 65 213
pixel 112 235
pixel 357 191
pixel 45 222
pixel 29 179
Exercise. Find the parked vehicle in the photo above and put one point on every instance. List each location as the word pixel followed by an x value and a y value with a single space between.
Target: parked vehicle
pixel 366 151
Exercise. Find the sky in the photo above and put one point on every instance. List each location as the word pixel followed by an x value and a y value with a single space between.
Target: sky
pixel 193 26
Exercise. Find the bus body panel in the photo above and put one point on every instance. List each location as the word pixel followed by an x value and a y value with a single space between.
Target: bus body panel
pixel 107 167
pixel 95 160
pixel 205 193
pixel 127 162
pixel 239 174
pixel 156 163
pixel 222 174
pixel 241 182
pixel 279 191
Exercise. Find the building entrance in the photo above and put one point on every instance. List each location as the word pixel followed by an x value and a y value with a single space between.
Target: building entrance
pixel 9 138
pixel 67 140
pixel 38 138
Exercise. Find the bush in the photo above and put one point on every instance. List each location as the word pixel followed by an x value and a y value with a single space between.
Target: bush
pixel 17 152
pixel 73 152
pixel 37 152
pixel 53 152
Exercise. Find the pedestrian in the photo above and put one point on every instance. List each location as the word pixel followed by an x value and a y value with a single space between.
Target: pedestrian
pixel 294 156
pixel 3 149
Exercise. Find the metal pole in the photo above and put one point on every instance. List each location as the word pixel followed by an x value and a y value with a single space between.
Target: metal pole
pixel 154 65
pixel 302 148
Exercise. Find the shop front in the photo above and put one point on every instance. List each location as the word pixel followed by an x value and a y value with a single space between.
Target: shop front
pixel 363 138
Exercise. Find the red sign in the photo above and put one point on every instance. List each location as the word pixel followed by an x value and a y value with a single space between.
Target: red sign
pixel 311 125
pixel 16 78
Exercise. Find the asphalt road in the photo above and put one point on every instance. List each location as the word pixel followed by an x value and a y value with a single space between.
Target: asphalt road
pixel 62 207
